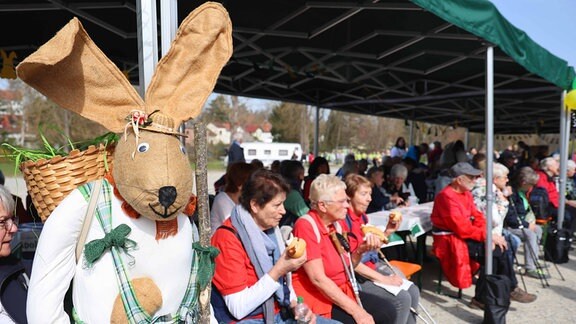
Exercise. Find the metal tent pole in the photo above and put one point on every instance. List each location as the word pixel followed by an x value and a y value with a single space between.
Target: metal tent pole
pixel 147 42
pixel 316 130
pixel 564 139
pixel 412 122
pixel 489 154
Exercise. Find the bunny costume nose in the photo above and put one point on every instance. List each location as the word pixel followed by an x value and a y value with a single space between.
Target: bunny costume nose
pixel 167 196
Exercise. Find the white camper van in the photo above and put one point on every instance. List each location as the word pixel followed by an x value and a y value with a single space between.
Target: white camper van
pixel 268 152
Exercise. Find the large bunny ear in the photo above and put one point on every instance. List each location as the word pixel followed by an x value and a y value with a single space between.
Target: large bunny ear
pixel 186 75
pixel 74 73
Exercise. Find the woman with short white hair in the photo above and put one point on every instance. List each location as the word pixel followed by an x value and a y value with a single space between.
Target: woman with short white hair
pixel 500 190
pixel 326 281
pixel 398 186
pixel 13 276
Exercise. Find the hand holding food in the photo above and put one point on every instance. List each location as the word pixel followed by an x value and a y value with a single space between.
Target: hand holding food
pixel 395 218
pixel 375 231
pixel 296 247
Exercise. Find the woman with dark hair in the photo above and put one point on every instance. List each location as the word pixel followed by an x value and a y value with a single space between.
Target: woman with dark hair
pixel 225 200
pixel 371 269
pixel 252 281
pixel 399 148
pixel 317 167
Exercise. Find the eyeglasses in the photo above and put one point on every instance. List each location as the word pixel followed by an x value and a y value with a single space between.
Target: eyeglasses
pixel 7 223
pixel 341 201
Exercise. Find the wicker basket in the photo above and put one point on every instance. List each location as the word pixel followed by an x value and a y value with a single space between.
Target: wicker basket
pixel 50 181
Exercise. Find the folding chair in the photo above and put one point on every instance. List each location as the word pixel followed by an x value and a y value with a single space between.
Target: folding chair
pixel 407 268
pixel 439 284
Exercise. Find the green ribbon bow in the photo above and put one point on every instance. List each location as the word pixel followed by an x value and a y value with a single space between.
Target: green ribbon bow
pixel 206 256
pixel 93 250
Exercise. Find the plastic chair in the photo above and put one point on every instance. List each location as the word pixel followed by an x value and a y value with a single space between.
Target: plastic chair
pixel 407 268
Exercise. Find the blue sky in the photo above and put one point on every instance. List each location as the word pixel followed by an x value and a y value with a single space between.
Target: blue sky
pixel 547 22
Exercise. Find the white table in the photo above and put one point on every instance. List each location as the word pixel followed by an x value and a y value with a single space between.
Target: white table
pixel 415 219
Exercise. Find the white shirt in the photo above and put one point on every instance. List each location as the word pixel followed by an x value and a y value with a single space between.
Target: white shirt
pixel 221 210
pixel 4 317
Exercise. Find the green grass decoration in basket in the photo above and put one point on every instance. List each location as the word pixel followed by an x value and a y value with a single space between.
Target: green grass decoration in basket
pixel 52 173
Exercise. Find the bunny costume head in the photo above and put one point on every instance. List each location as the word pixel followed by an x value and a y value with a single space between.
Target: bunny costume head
pixel 155 281
pixel 151 169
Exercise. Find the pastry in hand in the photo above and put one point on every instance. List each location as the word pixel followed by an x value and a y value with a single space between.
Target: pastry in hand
pixel 296 247
pixel 375 231
pixel 395 217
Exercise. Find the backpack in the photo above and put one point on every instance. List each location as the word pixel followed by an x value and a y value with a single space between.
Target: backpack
pixel 539 202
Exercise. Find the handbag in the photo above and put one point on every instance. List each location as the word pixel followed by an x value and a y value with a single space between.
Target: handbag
pixel 557 245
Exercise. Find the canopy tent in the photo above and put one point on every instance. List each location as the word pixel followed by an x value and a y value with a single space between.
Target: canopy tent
pixel 376 57
pixel 384 58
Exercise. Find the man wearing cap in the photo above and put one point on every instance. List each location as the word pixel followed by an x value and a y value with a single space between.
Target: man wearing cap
pixel 459 231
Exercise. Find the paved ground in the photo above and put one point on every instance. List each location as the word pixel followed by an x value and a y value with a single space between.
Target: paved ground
pixel 556 304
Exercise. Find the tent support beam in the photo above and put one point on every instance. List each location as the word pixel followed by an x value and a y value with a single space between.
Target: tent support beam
pixel 489 155
pixel 564 139
pixel 316 130
pixel 147 42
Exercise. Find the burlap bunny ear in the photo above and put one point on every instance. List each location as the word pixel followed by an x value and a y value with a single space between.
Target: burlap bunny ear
pixel 186 75
pixel 74 73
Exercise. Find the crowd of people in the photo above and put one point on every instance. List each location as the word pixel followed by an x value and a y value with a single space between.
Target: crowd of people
pixel 341 274
pixel 318 204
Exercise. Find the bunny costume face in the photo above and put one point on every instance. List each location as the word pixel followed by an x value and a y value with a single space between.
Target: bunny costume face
pixel 151 172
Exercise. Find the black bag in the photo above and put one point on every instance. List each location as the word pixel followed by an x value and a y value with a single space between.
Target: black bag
pixel 557 244
pixel 539 202
pixel 494 292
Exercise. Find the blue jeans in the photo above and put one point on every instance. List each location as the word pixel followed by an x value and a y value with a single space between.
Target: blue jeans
pixel 279 320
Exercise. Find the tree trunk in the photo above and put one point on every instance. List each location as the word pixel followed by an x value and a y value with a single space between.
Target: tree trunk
pixel 203 209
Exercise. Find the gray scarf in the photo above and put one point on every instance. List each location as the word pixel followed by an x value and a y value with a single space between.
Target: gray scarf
pixel 263 249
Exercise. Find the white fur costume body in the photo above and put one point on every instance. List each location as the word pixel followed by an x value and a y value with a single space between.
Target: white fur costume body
pixel 96 288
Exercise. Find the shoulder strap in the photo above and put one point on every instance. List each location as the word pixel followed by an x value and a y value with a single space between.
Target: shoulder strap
pixel 313 224
pixel 348 222
pixel 315 227
pixel 88 217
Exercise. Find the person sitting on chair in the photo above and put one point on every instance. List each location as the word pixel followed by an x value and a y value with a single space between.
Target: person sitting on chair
pixel 372 269
pixel 459 231
pixel 521 220
pixel 252 281
pixel 326 280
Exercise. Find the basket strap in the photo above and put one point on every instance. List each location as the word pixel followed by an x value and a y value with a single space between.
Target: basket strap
pixel 88 218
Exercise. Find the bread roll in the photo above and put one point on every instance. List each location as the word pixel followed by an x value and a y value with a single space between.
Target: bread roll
pixel 296 247
pixel 375 231
pixel 395 217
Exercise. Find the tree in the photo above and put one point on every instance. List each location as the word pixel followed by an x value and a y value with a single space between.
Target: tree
pixel 219 110
pixel 288 122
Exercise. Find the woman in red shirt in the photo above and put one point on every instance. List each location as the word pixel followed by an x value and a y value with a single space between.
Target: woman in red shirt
pixel 252 275
pixel 359 190
pixel 323 280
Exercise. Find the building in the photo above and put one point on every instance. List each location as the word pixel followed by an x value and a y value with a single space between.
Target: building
pixel 218 133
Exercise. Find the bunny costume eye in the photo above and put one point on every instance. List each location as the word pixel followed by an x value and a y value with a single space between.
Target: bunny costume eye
pixel 183 149
pixel 143 147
